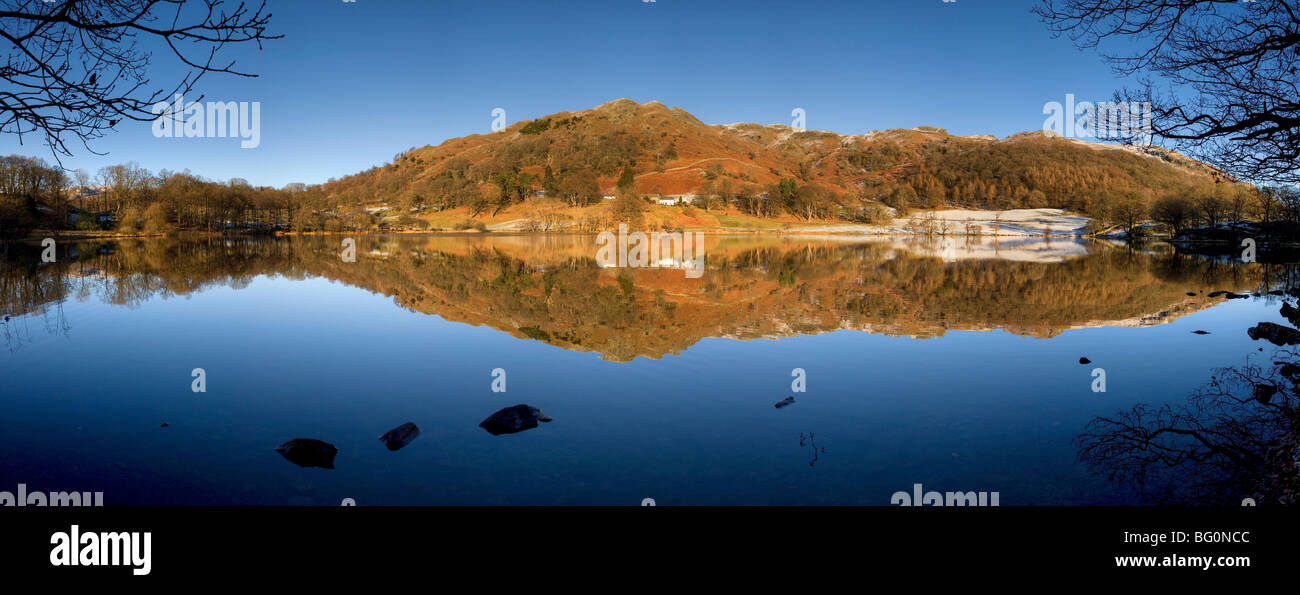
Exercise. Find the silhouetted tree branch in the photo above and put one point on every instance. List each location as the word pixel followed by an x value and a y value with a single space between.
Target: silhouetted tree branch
pixel 1229 69
pixel 75 68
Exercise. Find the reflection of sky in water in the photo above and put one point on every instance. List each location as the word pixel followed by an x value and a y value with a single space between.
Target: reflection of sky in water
pixel 987 411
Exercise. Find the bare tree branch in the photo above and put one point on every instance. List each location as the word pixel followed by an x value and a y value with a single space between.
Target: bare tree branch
pixel 75 68
pixel 1227 72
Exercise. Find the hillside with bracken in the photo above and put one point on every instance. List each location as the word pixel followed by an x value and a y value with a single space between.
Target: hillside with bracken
pixel 651 152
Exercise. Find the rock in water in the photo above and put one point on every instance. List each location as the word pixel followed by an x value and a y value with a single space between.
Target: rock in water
pixel 1200 332
pixel 308 452
pixel 1085 361
pixel 1274 333
pixel 786 402
pixel 513 419
pixel 1291 314
pixel 400 436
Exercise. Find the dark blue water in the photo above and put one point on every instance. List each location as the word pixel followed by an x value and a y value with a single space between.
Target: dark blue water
pixel 100 348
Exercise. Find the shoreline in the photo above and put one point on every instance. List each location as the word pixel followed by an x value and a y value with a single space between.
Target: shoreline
pixel 838 230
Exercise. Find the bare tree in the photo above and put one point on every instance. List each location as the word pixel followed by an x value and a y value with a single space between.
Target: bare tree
pixel 1236 60
pixel 75 68
pixel 1266 203
pixel 1129 212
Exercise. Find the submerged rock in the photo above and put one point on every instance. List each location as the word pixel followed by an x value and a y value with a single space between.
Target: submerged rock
pixel 786 402
pixel 1274 333
pixel 513 419
pixel 1085 361
pixel 400 436
pixel 1200 332
pixel 308 452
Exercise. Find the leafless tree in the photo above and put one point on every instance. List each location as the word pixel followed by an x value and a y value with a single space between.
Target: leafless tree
pixel 1221 75
pixel 75 68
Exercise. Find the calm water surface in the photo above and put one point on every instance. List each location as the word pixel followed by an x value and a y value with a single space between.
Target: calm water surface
pixel 950 364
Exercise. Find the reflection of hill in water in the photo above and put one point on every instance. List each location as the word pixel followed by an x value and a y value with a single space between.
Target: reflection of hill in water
pixel 550 288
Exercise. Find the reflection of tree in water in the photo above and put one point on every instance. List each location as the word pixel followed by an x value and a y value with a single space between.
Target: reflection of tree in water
pixel 550 289
pixel 43 296
pixel 811 440
pixel 1236 437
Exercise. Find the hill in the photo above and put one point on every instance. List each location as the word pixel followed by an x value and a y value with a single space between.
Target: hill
pixel 575 159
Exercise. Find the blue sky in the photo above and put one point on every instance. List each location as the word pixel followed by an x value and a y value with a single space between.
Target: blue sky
pixel 354 83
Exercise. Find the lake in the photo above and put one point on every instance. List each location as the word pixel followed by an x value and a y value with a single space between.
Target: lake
pixel 954 364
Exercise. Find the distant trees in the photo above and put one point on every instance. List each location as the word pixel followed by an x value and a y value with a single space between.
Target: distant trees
pixel 157 218
pixel 902 198
pixel 1176 211
pixel 1266 204
pixel 813 201
pixel 1130 212
pixel 125 186
pixel 31 195
pixel 536 126
pixel 1288 199
pixel 580 188
pixel 750 200
pixel 1212 209
pixel 129 198
pixel 628 207
pixel 785 193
